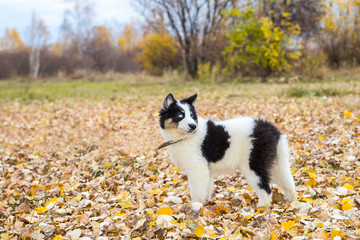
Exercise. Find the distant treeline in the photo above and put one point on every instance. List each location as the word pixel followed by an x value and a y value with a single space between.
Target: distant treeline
pixel 16 63
pixel 206 39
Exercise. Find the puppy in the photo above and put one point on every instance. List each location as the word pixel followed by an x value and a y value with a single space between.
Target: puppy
pixel 205 149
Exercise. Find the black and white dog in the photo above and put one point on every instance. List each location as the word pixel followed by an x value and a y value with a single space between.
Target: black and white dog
pixel 204 149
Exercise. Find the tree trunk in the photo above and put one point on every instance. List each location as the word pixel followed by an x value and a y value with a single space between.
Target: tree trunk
pixel 34 60
pixel 190 59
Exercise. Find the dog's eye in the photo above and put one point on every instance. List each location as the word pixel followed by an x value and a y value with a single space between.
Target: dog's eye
pixel 180 115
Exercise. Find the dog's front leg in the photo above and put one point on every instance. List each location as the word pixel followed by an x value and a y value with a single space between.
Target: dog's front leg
pixel 200 184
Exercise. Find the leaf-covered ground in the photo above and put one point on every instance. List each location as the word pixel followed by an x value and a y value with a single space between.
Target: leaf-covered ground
pixel 78 169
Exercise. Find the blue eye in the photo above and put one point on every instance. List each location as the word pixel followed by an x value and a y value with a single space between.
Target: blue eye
pixel 181 115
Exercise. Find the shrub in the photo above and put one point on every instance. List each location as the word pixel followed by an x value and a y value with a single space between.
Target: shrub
pixel 157 52
pixel 14 63
pixel 257 46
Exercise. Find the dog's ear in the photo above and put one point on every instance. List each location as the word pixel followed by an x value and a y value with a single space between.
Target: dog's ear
pixel 190 100
pixel 168 101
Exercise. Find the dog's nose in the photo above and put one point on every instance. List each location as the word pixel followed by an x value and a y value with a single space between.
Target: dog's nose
pixel 192 126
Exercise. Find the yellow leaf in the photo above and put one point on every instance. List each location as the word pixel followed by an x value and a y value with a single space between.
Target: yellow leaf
pixel 165 211
pixel 335 233
pixel 311 183
pixel 223 238
pixel 322 137
pixel 199 231
pixel 156 191
pixel 41 209
pixel 118 214
pixel 153 223
pixel 211 233
pixel 125 204
pixel 345 200
pixel 346 206
pixel 177 180
pixel 77 198
pixel 347 114
pixel 231 189
pixel 53 200
pixel 221 210
pixel 288 225
pixel 59 238
pixel 122 196
pixel 247 217
pixel 175 169
pixel 348 186
pixel 311 172
pixel 273 236
pixel 107 164
pixel 35 187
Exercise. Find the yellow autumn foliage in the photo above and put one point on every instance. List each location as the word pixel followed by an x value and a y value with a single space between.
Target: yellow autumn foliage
pixel 158 51
pixel 339 36
pixel 11 40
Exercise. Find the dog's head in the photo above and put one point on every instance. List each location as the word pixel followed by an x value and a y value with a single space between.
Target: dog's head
pixel 179 114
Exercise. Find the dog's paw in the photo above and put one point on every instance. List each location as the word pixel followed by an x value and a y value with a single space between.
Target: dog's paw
pixel 264 202
pixel 292 196
pixel 196 206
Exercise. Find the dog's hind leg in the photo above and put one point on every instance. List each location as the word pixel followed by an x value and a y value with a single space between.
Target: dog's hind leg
pixel 281 175
pixel 262 188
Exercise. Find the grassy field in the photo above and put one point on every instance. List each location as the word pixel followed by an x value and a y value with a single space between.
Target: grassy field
pixel 116 89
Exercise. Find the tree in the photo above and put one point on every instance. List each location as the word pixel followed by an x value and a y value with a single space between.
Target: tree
pixel 305 13
pixel 340 36
pixel 77 24
pixel 11 40
pixel 38 36
pixel 129 37
pixel 157 52
pixel 100 48
pixel 193 22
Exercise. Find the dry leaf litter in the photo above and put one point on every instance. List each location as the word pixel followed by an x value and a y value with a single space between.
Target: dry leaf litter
pixel 89 170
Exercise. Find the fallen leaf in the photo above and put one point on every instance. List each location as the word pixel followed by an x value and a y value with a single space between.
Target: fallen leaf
pixel 165 211
pixel 125 204
pixel 288 225
pixel 346 206
pixel 199 231
pixel 334 233
pixel 347 114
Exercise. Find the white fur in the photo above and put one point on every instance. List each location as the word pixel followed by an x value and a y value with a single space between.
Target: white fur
pixel 187 156
pixel 184 124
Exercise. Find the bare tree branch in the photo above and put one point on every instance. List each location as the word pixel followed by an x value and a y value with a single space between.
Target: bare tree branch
pixel 193 22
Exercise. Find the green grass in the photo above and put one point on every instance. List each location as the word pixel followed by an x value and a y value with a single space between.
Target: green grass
pixel 328 90
pixel 117 89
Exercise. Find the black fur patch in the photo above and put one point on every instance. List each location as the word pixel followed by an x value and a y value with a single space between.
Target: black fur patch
pixel 171 112
pixel 190 101
pixel 216 142
pixel 265 138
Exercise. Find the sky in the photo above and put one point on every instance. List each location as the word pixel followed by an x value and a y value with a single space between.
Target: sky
pixel 17 14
